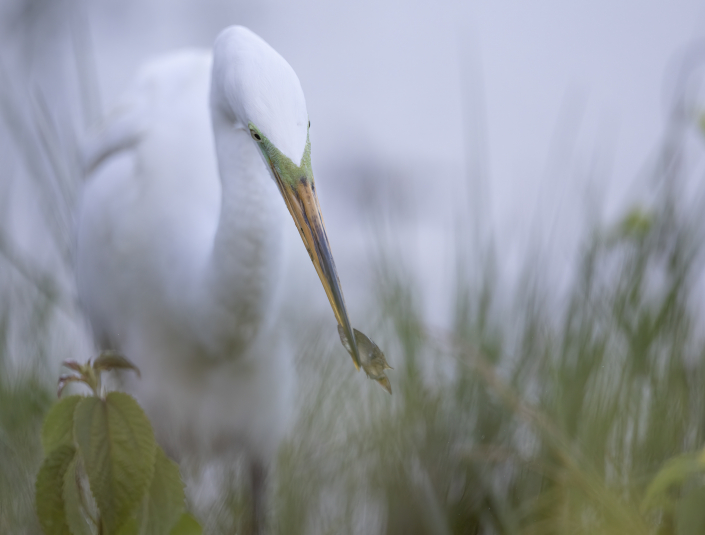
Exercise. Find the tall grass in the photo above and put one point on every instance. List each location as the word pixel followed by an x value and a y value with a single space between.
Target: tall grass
pixel 39 321
pixel 524 419
pixel 516 423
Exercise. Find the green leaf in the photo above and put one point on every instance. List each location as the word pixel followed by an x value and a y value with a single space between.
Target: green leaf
pixel 117 443
pixel 58 424
pixel 75 516
pixel 111 360
pixel 49 498
pixel 130 527
pixel 187 525
pixel 690 513
pixel 164 502
pixel 674 472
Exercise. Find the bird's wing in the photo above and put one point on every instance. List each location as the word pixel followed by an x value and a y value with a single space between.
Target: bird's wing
pixel 141 168
pixel 120 131
pixel 138 107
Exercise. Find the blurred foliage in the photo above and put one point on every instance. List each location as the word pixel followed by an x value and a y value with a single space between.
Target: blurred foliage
pixel 527 420
pixel 105 443
pixel 23 403
pixel 589 418
pixel 520 422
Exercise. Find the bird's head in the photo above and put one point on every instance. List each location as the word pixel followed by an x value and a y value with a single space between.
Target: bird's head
pixel 259 92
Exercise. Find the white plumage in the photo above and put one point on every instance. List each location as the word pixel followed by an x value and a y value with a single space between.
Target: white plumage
pixel 180 251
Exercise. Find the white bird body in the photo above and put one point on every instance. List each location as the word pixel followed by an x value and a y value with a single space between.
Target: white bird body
pixel 180 246
pixel 180 249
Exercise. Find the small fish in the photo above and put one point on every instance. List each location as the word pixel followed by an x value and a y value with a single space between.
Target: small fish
pixel 371 357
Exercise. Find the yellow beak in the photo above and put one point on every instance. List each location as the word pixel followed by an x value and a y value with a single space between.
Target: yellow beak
pixel 302 202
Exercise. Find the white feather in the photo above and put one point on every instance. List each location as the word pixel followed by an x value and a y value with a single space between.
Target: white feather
pixel 179 248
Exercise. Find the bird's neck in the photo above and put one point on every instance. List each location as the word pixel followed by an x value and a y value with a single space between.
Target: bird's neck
pixel 245 258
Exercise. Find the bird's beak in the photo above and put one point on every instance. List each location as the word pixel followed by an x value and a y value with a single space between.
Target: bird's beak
pixel 302 202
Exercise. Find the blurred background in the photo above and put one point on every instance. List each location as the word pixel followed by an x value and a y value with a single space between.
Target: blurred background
pixel 514 194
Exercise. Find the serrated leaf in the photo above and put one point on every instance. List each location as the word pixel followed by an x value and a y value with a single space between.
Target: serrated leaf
pixel 164 502
pixel 73 365
pixel 117 443
pixel 57 429
pixel 75 517
pixel 690 513
pixel 49 497
pixel 64 380
pixel 674 472
pixel 187 525
pixel 130 527
pixel 110 360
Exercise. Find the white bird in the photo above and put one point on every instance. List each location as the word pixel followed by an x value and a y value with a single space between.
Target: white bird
pixel 179 247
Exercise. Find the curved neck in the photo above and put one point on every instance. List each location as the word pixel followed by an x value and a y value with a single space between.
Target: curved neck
pixel 244 261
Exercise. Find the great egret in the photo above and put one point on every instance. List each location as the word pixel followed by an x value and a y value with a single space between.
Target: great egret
pixel 179 243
